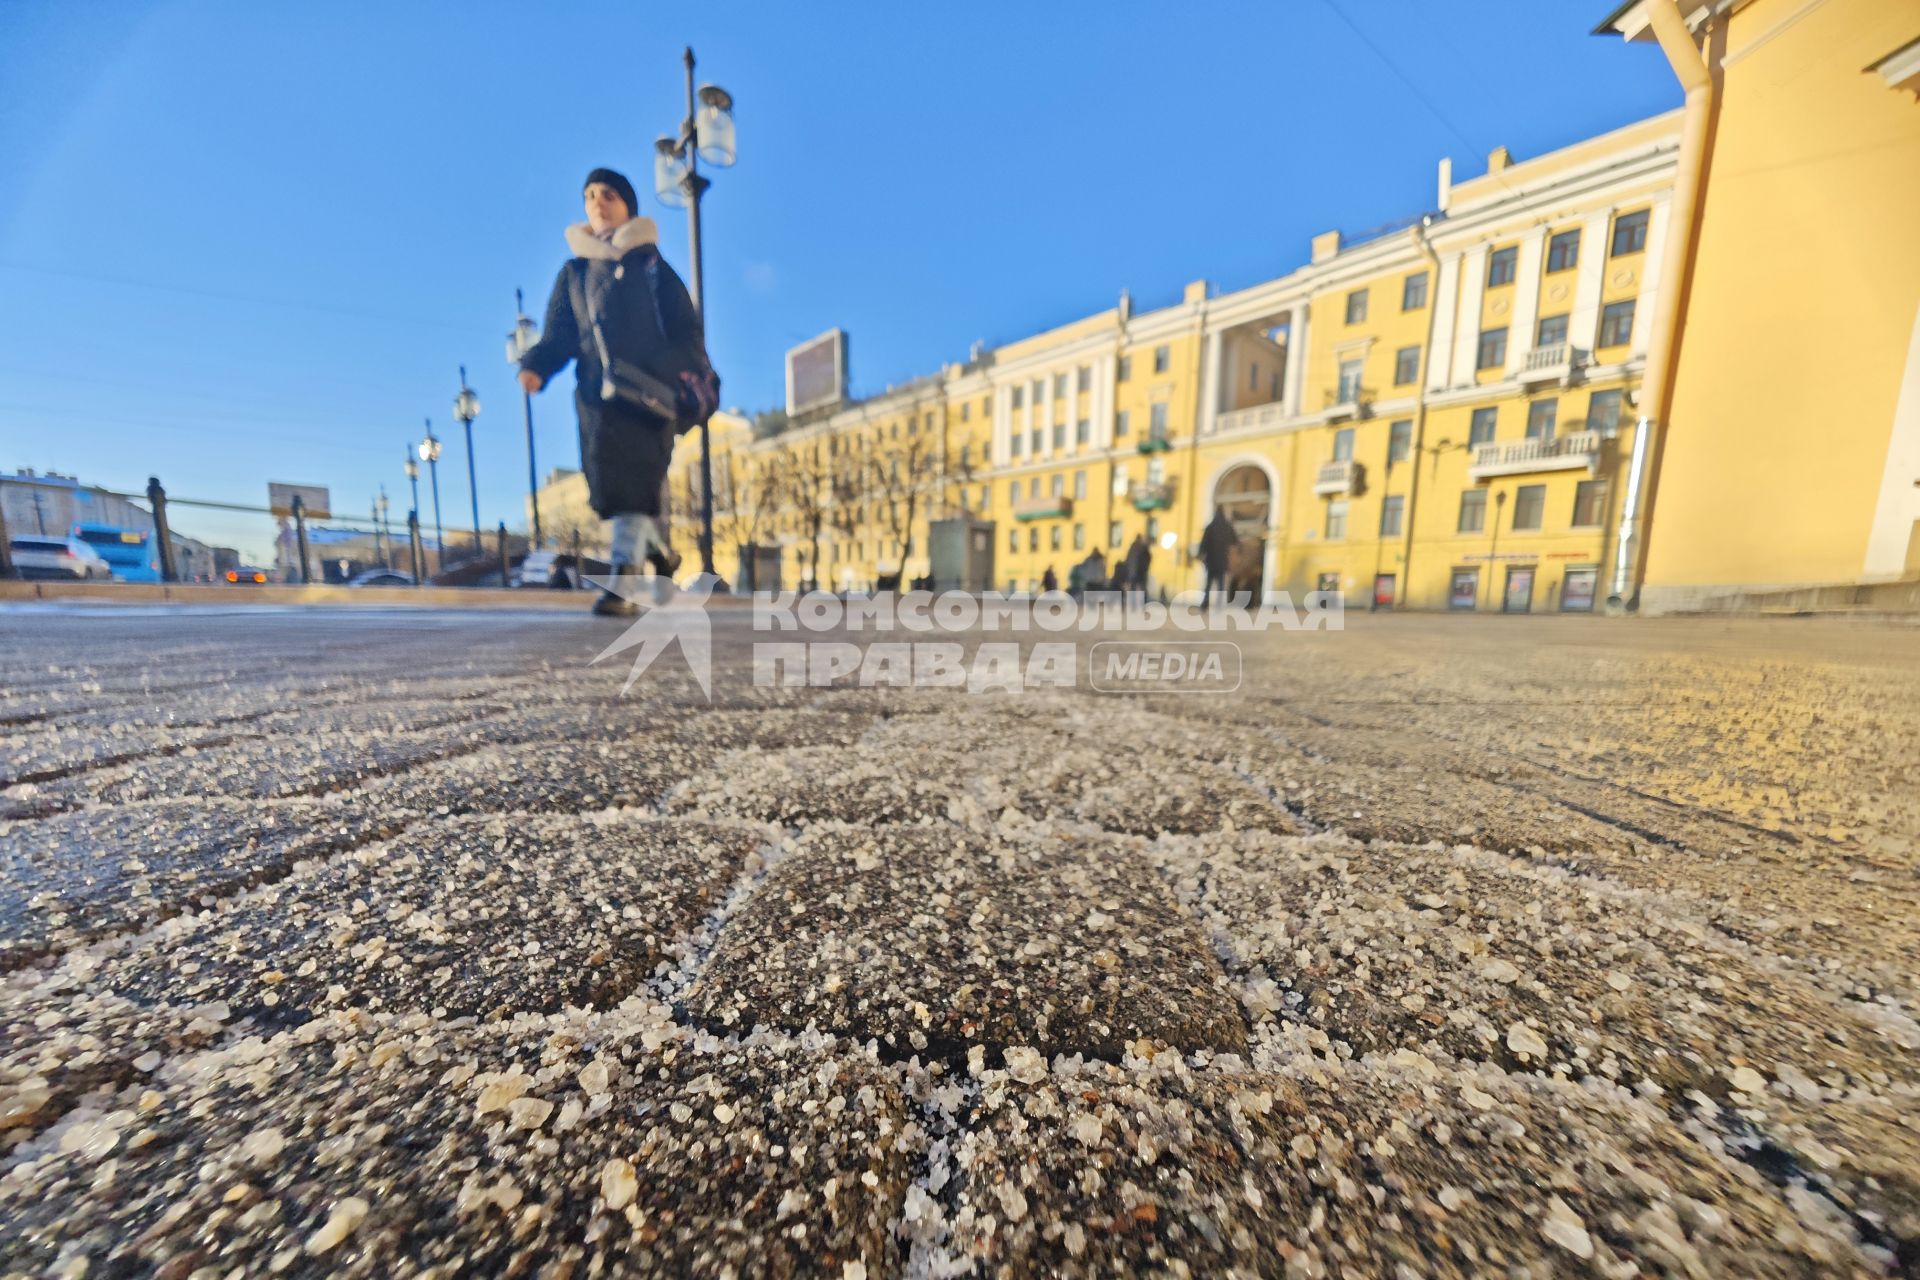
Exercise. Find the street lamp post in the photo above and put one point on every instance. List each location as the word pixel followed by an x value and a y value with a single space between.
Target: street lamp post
pixel 466 407
pixel 430 454
pixel 386 530
pixel 519 342
pixel 706 134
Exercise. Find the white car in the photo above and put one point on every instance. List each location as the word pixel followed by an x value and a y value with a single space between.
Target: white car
pixel 549 569
pixel 59 559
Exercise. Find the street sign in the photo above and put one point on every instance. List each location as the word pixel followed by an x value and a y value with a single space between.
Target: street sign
pixel 314 499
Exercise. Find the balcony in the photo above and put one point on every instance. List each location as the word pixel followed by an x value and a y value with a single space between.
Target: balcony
pixel 1260 415
pixel 1334 477
pixel 1154 442
pixel 1055 507
pixel 1577 450
pixel 1557 363
pixel 1151 495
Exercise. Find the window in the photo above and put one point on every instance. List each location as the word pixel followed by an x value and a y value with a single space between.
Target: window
pixel 1551 332
pixel 1343 445
pixel 1082 431
pixel 966 457
pixel 1079 537
pixel 1039 392
pixel 1120 424
pixel 1542 417
pixel 966 411
pixel 893 432
pixel 1603 412
pixel 1501 266
pixel 1473 511
pixel 1013 444
pixel 1033 539
pixel 1589 503
pixel 1529 505
pixel 1162 359
pixel 1399 440
pixel 1153 530
pixel 1481 432
pixel 1019 396
pixel 1083 380
pixel 1013 539
pixel 1493 348
pixel 1630 233
pixel 1053 538
pixel 1157 420
pixel 986 407
pixel 1563 251
pixel 1156 470
pixel 1079 485
pixel 986 498
pixel 1406 365
pixel 1616 324
pixel 1390 510
pixel 1413 292
pixel 1120 482
pixel 1349 389
pixel 1124 370
pixel 1336 519
pixel 1033 441
pixel 1056 486
pixel 1059 386
pixel 1357 307
pixel 1113 533
pixel 1033 486
pixel 1059 436
pixel 1253 376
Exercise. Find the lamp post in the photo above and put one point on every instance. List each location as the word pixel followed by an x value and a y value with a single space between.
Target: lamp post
pixel 386 530
pixel 413 477
pixel 706 134
pixel 519 342
pixel 466 407
pixel 430 454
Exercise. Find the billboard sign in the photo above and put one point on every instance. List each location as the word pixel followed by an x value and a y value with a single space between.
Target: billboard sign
pixel 817 372
pixel 314 499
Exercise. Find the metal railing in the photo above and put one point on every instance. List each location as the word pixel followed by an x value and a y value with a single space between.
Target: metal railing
pixel 1333 477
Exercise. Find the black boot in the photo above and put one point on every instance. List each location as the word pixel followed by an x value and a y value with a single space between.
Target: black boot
pixel 610 605
pixel 665 562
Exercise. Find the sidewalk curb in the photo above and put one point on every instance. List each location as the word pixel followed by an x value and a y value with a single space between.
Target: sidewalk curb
pixel 143 593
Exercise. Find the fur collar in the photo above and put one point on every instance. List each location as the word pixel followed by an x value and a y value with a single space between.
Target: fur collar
pixel 627 237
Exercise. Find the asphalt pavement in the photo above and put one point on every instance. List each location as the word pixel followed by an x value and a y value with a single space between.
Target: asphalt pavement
pixel 354 942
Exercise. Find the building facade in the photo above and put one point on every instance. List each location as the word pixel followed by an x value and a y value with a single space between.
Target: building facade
pixel 1786 445
pixel 1436 417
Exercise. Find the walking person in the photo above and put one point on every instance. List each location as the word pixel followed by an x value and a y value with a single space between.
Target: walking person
pixel 624 318
pixel 1049 581
pixel 1217 542
pixel 1139 557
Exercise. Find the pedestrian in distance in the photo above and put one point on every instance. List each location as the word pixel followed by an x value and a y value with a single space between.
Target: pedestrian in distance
pixel 622 316
pixel 1139 560
pixel 1049 581
pixel 1217 542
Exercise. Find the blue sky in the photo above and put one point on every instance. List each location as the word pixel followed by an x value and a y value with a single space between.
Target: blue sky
pixel 242 242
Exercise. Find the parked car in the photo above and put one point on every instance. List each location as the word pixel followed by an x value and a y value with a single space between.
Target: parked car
pixel 245 575
pixel 552 569
pixel 380 578
pixel 58 559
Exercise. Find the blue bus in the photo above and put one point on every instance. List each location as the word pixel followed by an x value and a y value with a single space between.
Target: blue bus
pixel 130 552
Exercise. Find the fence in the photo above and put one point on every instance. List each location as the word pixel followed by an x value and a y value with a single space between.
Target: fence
pixel 351 550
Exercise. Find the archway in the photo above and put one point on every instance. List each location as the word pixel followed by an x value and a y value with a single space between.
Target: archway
pixel 1244 491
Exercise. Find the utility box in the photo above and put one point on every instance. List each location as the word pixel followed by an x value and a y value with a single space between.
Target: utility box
pixel 759 567
pixel 960 554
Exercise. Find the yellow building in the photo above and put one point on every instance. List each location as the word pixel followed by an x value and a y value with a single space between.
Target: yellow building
pixel 1786 428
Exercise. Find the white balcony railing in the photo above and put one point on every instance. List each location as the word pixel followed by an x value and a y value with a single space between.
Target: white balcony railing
pixel 1577 449
pixel 1259 415
pixel 1544 364
pixel 1151 495
pixel 1333 477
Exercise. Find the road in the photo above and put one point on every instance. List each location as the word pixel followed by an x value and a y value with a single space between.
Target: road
pixel 381 943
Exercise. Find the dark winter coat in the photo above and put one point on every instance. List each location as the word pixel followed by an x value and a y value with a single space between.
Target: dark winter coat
pixel 1217 543
pixel 647 317
pixel 1137 561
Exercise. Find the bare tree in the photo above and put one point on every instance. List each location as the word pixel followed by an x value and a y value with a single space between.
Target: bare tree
pixel 805 492
pixel 745 497
pixel 906 482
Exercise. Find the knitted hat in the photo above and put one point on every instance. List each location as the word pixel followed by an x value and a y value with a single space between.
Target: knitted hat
pixel 621 187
